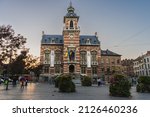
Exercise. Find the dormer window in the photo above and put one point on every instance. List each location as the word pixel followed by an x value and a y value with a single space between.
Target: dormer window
pixel 53 41
pixel 45 40
pixel 88 41
pixel 56 39
pixel 71 24
pixel 60 41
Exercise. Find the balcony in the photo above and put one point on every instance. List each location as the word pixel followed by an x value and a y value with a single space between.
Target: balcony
pixel 57 62
pixel 94 63
pixel 72 28
pixel 83 63
pixel 46 62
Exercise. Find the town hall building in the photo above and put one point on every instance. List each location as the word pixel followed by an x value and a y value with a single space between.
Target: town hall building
pixel 70 52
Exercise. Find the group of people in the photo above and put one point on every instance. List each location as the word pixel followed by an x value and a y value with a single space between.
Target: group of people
pixel 23 81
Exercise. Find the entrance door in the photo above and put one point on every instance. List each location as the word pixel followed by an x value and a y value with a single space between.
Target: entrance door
pixel 71 69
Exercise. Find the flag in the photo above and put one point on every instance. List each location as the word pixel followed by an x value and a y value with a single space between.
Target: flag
pixel 66 54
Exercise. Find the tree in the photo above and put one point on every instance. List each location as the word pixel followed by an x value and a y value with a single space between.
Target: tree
pixel 119 86
pixel 32 64
pixel 17 66
pixel 143 84
pixel 9 44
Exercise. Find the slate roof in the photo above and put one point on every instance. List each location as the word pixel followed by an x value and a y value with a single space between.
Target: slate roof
pixel 108 53
pixel 72 14
pixel 58 39
pixel 48 39
pixel 93 40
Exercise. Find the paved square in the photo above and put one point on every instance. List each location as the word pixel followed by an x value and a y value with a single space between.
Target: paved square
pixel 45 91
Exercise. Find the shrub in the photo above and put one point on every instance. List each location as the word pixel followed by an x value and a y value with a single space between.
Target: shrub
pixel 65 84
pixel 120 86
pixel 143 84
pixel 56 80
pixel 86 81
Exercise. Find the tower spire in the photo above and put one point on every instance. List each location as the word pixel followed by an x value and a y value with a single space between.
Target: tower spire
pixel 71 12
pixel 70 3
pixel 70 8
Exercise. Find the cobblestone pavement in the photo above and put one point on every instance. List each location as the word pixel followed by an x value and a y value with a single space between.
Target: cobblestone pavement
pixel 45 91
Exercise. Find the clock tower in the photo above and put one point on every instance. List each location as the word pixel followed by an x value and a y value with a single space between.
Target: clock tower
pixel 71 47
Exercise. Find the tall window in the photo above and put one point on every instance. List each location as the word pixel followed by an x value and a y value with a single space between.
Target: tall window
pixel 71 24
pixel 47 56
pixel 83 57
pixel 83 70
pixel 147 59
pixel 46 69
pixel 57 69
pixel 118 61
pixel 107 60
pixel 149 66
pixel 94 70
pixel 94 53
pixel 57 56
pixel 144 60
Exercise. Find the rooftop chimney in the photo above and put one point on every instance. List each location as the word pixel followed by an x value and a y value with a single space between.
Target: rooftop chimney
pixel 42 32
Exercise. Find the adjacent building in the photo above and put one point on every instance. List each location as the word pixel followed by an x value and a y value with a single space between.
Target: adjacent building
pixel 127 67
pixel 142 65
pixel 110 64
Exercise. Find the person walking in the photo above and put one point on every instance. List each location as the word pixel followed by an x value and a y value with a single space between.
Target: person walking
pixel 22 82
pixel 6 83
pixel 26 82
pixel 99 81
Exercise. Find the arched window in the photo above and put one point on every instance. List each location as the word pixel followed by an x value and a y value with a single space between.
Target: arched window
pixel 93 53
pixel 47 56
pixel 83 57
pixel 58 56
pixel 71 24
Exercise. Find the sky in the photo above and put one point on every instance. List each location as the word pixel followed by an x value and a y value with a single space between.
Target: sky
pixel 123 26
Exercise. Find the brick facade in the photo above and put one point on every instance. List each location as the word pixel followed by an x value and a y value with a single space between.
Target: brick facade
pixel 63 53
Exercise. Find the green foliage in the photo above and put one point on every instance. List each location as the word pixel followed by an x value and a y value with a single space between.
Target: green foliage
pixel 57 79
pixel 143 84
pixel 10 43
pixel 120 86
pixel 37 70
pixel 64 83
pixel 86 81
pixel 17 66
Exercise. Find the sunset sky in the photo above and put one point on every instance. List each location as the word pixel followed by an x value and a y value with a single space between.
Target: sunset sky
pixel 123 26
